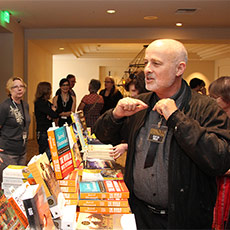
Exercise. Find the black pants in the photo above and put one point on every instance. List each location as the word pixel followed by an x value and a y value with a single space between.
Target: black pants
pixel 42 139
pixel 145 218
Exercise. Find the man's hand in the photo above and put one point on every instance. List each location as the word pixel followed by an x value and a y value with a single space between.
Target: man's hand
pixel 118 150
pixel 165 107
pixel 127 107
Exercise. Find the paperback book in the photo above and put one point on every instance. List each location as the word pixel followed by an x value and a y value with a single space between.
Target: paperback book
pixel 8 217
pixel 107 189
pixel 60 151
pixel 106 221
pixel 37 208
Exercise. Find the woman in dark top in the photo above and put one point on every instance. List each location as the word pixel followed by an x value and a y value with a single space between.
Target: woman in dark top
pixel 14 125
pixel 44 113
pixel 65 103
pixel 110 94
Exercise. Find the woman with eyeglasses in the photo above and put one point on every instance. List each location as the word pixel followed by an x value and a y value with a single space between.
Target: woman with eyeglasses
pixel 64 103
pixel 110 94
pixel 14 125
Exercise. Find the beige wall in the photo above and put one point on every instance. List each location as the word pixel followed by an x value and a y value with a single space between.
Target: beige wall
pixel 39 69
pixel 204 70
pixel 12 53
pixel 85 70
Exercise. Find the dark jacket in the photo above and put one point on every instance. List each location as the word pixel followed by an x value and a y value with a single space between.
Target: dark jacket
pixel 44 114
pixel 199 152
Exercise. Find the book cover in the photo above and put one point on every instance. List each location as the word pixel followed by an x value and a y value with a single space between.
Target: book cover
pixel 43 174
pixel 107 189
pixel 104 202
pixel 8 217
pixel 101 174
pixel 37 208
pixel 76 155
pixel 16 203
pixel 107 210
pixel 15 171
pixel 60 152
pixel 106 221
pixel 70 195
pixel 71 202
pixel 79 131
pixel 95 163
pixel 70 180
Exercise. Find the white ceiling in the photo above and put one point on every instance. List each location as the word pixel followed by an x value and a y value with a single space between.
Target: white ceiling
pixel 31 14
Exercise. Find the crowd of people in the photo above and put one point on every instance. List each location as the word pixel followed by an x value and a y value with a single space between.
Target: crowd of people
pixel 176 137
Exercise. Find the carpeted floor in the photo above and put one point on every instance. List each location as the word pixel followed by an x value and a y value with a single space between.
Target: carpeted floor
pixel 32 149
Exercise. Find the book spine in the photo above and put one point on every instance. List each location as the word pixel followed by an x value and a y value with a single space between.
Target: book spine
pixel 106 195
pixel 105 210
pixel 71 201
pixel 54 154
pixel 70 195
pixel 69 189
pixel 67 183
pixel 106 203
pixel 18 211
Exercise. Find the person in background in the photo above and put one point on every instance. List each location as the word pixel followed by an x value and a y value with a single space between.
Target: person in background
pixel 178 142
pixel 220 90
pixel 198 85
pixel 72 81
pixel 92 103
pixel 44 114
pixel 64 103
pixel 135 84
pixel 110 94
pixel 14 125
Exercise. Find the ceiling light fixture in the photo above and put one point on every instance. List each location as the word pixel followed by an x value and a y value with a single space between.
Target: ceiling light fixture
pixel 179 24
pixel 61 48
pixel 111 11
pixel 150 17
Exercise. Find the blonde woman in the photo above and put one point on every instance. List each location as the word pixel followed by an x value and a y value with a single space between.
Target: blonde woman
pixel 14 125
pixel 110 94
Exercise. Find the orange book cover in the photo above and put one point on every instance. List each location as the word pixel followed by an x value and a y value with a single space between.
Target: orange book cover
pixel 71 201
pixel 106 210
pixel 69 189
pixel 54 153
pixel 70 180
pixel 70 195
pixel 107 189
pixel 62 159
pixel 104 202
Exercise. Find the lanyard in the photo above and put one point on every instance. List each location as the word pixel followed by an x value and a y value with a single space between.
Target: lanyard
pixel 23 111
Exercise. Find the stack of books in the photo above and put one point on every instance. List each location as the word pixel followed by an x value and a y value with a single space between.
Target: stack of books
pixel 13 177
pixel 107 196
pixel 69 187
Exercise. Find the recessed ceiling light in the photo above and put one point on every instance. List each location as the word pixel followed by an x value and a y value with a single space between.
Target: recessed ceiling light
pixel 61 48
pixel 150 17
pixel 179 24
pixel 111 11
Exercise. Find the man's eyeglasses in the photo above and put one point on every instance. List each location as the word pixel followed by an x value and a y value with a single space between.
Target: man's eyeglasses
pixel 107 81
pixel 18 87
pixel 65 85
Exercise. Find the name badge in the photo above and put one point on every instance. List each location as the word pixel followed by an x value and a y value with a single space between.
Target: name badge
pixel 24 137
pixel 157 134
